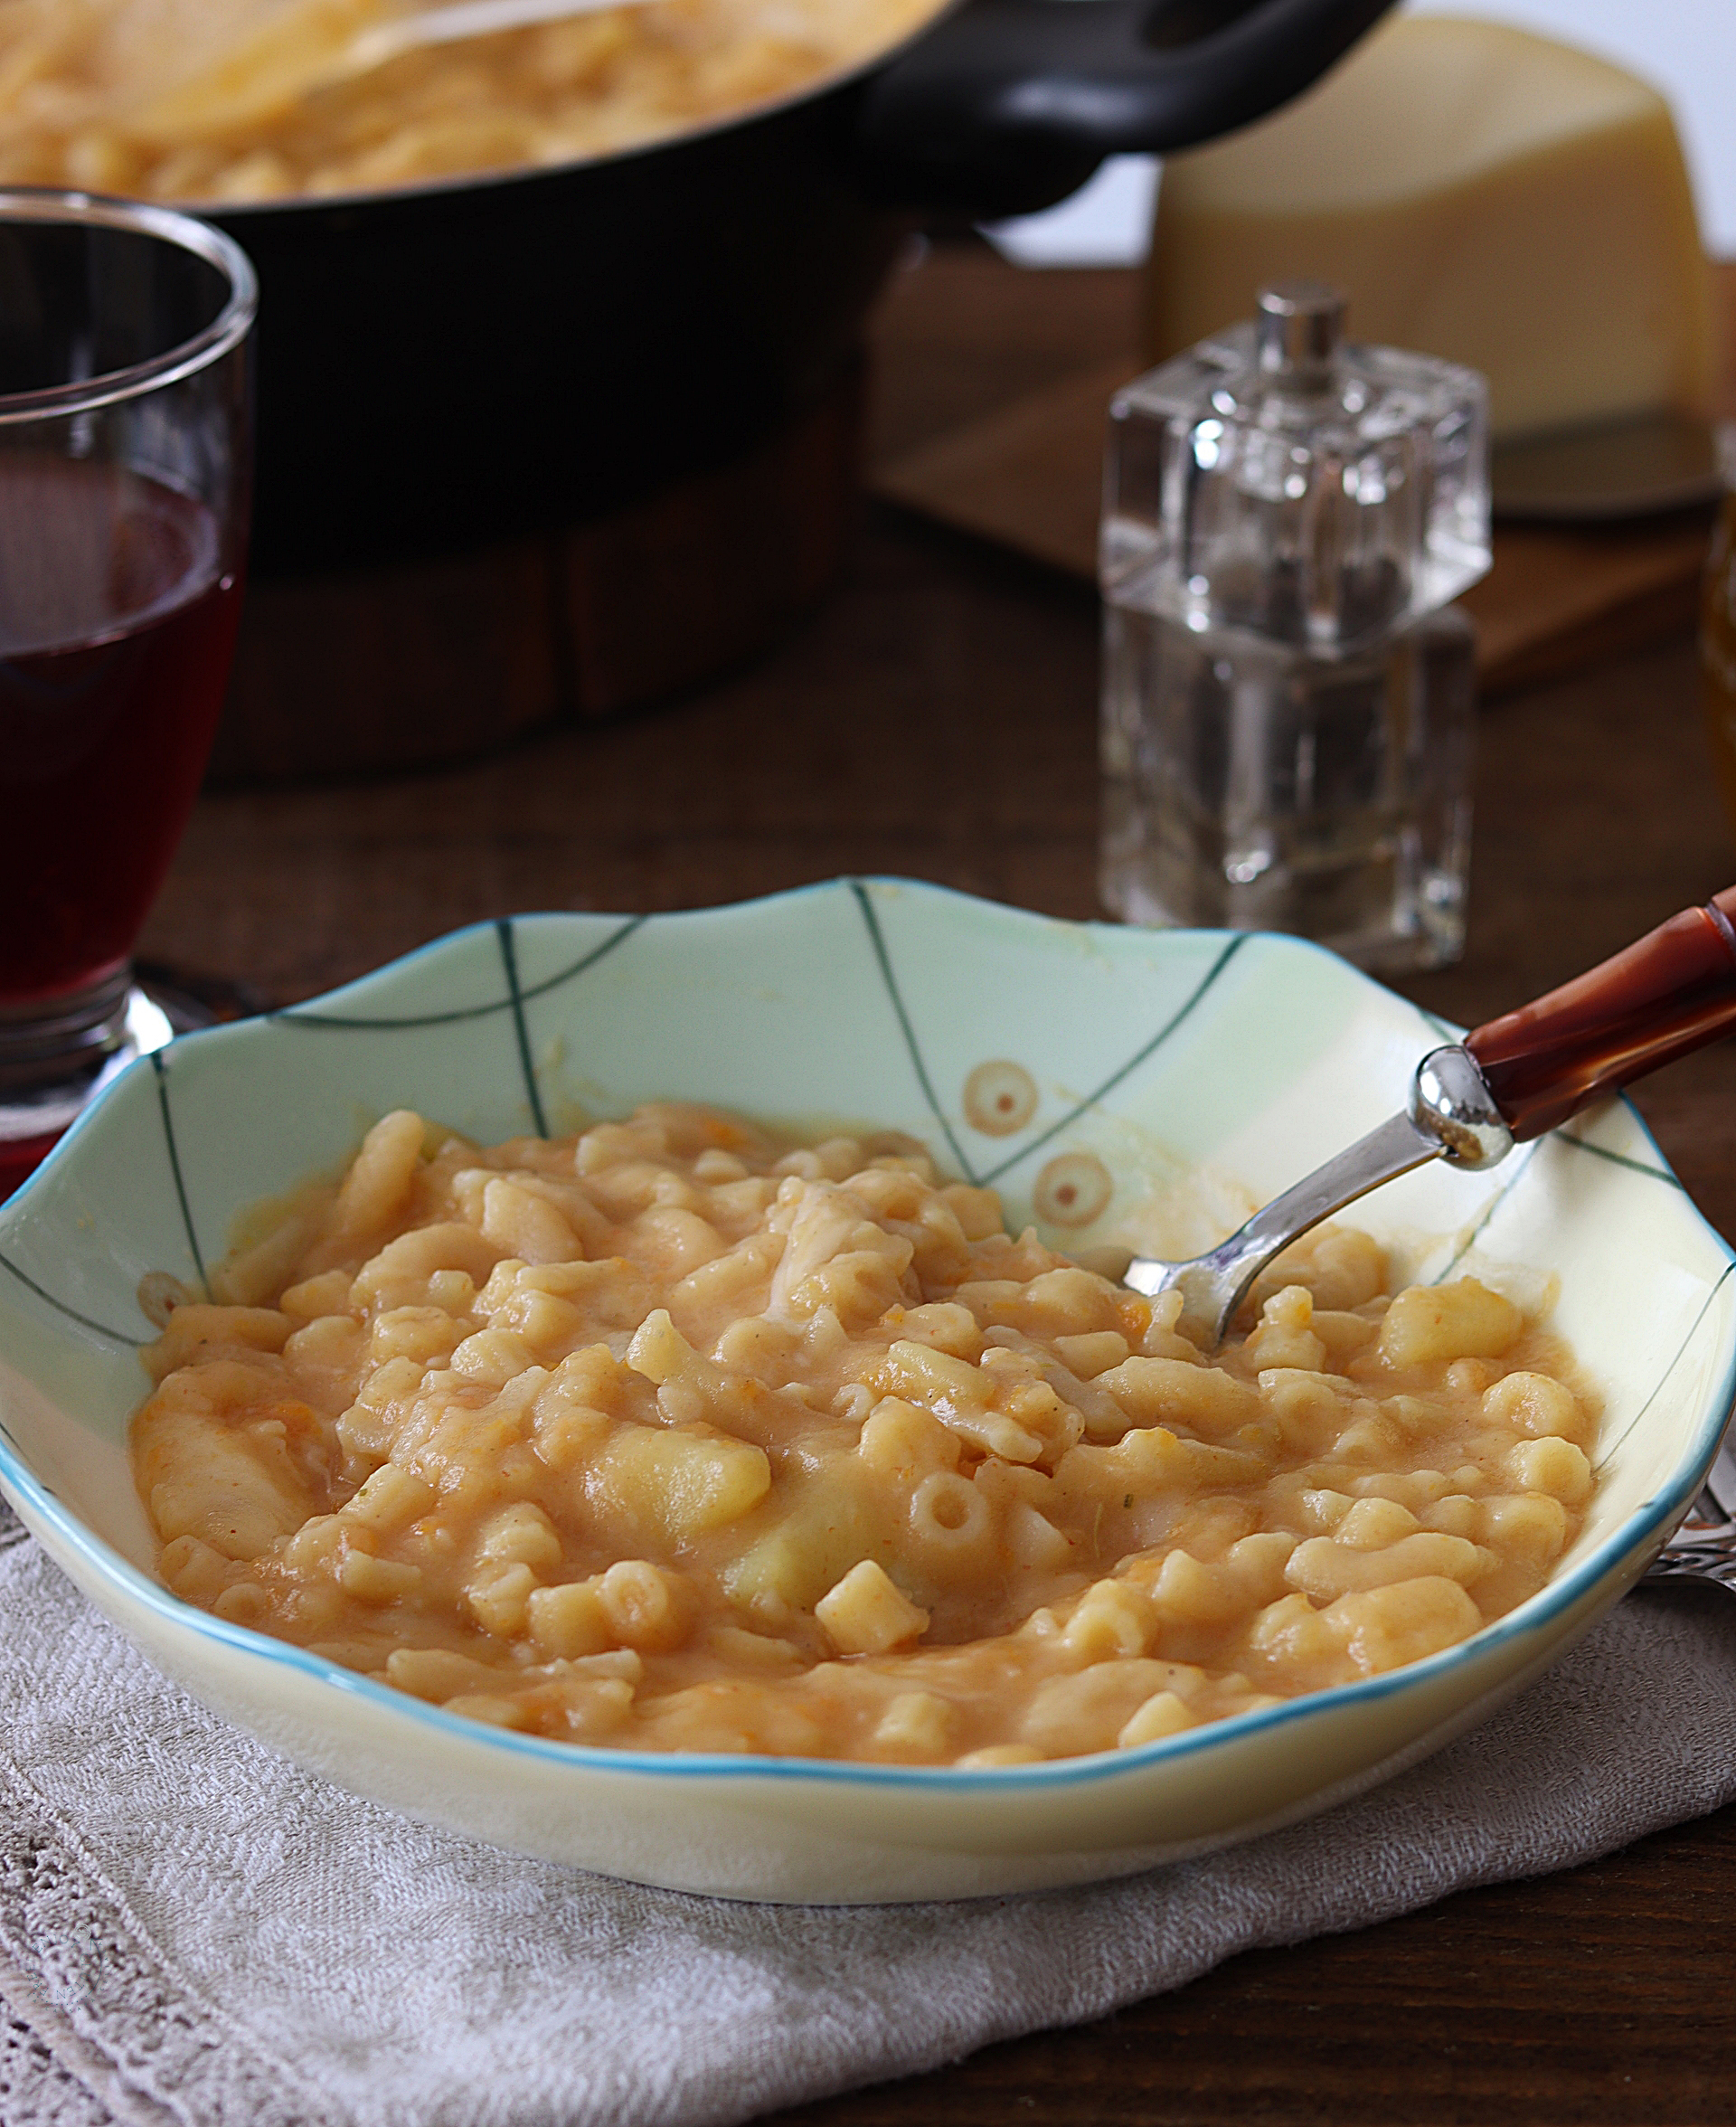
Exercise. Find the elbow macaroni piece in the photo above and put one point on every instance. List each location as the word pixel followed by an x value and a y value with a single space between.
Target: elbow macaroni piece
pixel 230 100
pixel 675 1436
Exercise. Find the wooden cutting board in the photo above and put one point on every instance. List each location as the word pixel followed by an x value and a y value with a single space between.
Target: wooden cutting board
pixel 1029 476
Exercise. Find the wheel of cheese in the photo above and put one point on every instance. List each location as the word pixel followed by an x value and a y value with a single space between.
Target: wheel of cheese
pixel 1480 193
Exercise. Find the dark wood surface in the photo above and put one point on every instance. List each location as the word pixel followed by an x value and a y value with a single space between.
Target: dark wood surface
pixel 937 717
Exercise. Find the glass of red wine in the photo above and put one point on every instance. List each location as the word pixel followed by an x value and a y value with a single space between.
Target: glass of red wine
pixel 125 473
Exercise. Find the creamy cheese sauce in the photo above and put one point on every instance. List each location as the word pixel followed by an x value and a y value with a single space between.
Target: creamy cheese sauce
pixel 677 1436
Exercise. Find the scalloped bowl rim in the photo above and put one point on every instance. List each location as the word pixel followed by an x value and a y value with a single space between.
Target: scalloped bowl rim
pixel 1643 1526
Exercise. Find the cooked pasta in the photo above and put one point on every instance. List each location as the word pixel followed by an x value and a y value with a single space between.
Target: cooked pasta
pixel 677 1437
pixel 226 100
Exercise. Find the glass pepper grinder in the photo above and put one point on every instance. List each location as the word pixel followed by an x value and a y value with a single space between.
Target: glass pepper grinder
pixel 1287 697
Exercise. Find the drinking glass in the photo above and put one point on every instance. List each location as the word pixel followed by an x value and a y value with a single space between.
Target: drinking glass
pixel 125 474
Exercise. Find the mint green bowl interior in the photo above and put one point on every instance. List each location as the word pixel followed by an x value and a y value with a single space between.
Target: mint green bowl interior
pixel 1203 1071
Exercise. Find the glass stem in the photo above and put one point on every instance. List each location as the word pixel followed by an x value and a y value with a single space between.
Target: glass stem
pixel 46 1042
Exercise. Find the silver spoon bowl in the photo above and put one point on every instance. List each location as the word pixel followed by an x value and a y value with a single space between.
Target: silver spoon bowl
pixel 1470 1103
pixel 1451 1115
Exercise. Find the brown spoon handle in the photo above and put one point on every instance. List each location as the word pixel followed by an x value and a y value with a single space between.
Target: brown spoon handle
pixel 1673 991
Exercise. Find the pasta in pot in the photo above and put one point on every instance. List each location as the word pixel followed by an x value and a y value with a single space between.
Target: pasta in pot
pixel 675 1436
pixel 218 101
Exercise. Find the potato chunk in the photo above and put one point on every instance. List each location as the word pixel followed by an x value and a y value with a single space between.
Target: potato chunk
pixel 864 1613
pixel 1429 1323
pixel 679 1482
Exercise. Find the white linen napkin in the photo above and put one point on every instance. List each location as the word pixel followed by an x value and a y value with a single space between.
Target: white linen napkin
pixel 192 1930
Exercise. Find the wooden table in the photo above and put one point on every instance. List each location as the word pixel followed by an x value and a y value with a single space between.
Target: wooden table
pixel 937 717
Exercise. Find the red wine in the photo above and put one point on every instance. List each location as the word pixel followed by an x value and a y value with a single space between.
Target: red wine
pixel 116 626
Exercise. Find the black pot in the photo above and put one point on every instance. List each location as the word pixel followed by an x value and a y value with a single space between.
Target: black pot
pixel 473 360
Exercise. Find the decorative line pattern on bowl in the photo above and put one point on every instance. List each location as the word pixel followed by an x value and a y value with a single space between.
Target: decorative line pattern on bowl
pixel 161 1069
pixel 989 1177
pixel 510 1005
pixel 1639 1167
pixel 1065 999
pixel 514 1001
pixel 1608 1448
pixel 71 1313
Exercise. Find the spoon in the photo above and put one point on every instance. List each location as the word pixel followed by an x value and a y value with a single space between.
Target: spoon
pixel 1704 1548
pixel 1472 1101
pixel 270 72
pixel 453 26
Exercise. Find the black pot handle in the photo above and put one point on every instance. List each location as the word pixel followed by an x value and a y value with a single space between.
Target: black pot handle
pixel 1006 106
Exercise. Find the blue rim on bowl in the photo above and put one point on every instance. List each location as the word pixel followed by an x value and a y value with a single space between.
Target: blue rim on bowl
pixel 880 993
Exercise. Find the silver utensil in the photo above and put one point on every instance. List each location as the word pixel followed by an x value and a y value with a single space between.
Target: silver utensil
pixel 454 24
pixel 1451 1115
pixel 1470 1103
pixel 1704 1548
pixel 270 72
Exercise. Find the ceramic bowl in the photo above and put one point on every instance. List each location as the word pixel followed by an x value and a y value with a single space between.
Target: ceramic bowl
pixel 1177 1077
